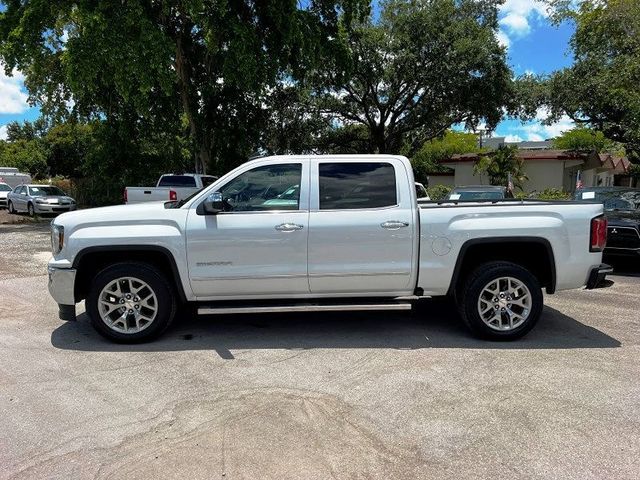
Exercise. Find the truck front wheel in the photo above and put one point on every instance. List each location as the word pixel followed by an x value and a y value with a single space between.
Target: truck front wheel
pixel 501 301
pixel 131 302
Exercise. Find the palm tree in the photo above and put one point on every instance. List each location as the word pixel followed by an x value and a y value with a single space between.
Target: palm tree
pixel 498 164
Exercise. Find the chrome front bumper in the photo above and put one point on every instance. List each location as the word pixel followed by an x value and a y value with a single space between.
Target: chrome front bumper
pixel 61 285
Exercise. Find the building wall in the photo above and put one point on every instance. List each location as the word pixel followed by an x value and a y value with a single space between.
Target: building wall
pixel 542 174
pixel 447 180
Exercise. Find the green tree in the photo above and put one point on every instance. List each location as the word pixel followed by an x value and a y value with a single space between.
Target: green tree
pixel 423 66
pixel 427 159
pixel 206 63
pixel 498 164
pixel 583 138
pixel 602 87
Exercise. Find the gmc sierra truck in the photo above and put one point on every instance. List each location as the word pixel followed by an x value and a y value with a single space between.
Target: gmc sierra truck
pixel 320 233
pixel 170 187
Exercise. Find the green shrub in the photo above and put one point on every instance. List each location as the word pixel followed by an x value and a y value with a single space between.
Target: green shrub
pixel 438 192
pixel 553 194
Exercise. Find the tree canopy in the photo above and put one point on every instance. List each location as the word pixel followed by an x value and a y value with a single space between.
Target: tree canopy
pixel 421 67
pixel 602 87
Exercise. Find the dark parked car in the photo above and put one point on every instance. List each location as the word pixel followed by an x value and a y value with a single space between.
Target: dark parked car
pixel 479 193
pixel 622 209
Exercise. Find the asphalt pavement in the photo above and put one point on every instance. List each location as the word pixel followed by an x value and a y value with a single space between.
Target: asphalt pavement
pixel 317 396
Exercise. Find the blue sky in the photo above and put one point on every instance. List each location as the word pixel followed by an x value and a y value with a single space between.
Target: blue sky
pixel 533 45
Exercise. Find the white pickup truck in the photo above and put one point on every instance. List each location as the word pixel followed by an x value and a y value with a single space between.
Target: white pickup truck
pixel 170 187
pixel 302 233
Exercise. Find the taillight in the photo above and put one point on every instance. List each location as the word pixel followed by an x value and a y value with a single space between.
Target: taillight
pixel 173 196
pixel 598 234
pixel 125 195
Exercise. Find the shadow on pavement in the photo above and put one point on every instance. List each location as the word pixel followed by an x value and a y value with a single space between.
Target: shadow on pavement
pixel 432 324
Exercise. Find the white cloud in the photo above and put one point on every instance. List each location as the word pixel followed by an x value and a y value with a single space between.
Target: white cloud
pixel 515 18
pixel 515 24
pixel 537 131
pixel 3 132
pixel 12 97
pixel 513 138
pixel 503 39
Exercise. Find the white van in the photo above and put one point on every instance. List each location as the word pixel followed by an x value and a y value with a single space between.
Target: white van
pixel 12 177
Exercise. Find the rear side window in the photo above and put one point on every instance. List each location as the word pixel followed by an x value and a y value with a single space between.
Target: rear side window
pixel 357 185
pixel 177 181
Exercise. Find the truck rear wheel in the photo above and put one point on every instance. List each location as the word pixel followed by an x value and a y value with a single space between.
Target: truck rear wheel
pixel 501 301
pixel 131 303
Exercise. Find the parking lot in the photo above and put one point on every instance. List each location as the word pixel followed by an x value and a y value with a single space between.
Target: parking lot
pixel 387 395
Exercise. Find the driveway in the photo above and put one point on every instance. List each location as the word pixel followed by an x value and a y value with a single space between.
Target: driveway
pixel 303 396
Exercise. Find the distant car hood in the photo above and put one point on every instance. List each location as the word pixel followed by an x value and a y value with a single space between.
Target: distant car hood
pixel 4 194
pixel 623 218
pixel 54 199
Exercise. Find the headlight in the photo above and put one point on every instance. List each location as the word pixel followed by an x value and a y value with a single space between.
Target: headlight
pixel 57 238
pixel 40 200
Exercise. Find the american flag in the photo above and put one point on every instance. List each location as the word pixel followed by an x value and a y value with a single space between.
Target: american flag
pixel 579 183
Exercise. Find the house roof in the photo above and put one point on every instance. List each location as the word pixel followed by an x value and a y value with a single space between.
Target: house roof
pixel 526 155
pixel 617 164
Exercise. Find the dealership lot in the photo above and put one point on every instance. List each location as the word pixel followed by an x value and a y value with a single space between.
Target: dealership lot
pixel 342 395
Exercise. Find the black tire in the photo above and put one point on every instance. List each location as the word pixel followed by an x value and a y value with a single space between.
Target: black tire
pixel 10 208
pixel 30 210
pixel 473 288
pixel 158 283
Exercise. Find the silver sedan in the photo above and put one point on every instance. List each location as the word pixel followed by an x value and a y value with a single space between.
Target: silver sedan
pixel 35 199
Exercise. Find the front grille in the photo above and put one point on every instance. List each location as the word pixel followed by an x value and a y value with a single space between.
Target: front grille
pixel 60 209
pixel 623 237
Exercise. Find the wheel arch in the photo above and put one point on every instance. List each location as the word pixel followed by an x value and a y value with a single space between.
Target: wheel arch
pixel 538 258
pixel 89 261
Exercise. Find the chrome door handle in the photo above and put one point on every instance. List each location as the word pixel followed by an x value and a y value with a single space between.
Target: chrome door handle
pixel 288 227
pixel 394 224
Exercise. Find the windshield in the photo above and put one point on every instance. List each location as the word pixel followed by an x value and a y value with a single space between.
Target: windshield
pixel 618 199
pixel 177 181
pixel 5 188
pixel 43 191
pixel 465 195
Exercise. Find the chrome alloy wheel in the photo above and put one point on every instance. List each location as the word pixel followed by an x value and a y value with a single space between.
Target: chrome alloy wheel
pixel 504 303
pixel 127 305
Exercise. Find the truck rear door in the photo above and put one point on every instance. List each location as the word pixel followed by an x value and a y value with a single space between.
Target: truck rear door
pixel 362 227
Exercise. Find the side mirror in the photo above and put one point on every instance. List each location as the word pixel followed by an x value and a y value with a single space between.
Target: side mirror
pixel 213 204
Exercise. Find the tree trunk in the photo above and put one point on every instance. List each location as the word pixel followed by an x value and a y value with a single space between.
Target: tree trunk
pixel 190 107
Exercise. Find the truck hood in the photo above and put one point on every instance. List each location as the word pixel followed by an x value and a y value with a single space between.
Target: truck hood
pixel 140 213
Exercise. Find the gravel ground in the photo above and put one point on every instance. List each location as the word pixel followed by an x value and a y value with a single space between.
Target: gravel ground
pixel 352 396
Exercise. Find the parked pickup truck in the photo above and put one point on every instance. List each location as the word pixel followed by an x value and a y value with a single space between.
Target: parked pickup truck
pixel 302 233
pixel 170 187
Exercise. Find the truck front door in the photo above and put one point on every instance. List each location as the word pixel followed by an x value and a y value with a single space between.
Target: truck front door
pixel 258 245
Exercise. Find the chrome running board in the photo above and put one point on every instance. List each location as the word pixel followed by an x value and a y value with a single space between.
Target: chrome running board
pixel 345 307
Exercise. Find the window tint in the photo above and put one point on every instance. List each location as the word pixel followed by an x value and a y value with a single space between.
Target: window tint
pixel 357 185
pixel 19 189
pixel 177 181
pixel 4 187
pixel 272 187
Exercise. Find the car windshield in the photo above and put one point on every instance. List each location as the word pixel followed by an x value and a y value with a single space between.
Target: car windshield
pixel 470 195
pixel 45 190
pixel 5 188
pixel 614 199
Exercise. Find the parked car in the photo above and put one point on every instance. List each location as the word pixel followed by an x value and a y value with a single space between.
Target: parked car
pixel 479 193
pixel 170 187
pixel 4 191
pixel 622 210
pixel 225 250
pixel 34 199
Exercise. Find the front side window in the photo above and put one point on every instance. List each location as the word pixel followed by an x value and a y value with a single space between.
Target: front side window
pixel 207 180
pixel 272 187
pixel 357 185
